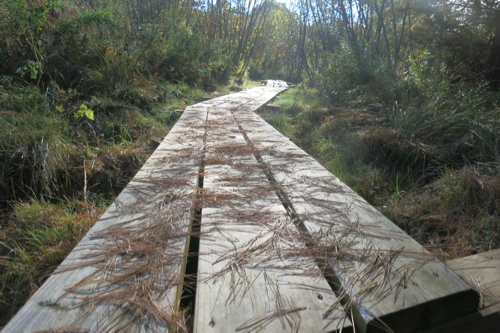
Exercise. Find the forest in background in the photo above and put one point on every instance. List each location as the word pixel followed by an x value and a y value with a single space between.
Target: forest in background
pixel 399 99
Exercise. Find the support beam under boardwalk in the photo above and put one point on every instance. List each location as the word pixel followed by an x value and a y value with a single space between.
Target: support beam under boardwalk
pixel 230 227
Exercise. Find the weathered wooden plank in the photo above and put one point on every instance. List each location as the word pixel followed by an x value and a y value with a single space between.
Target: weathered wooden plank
pixel 254 272
pixel 482 271
pixel 388 276
pixel 126 273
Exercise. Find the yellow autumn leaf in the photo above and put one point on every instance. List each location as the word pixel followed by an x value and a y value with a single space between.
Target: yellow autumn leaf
pixel 84 111
pixel 110 50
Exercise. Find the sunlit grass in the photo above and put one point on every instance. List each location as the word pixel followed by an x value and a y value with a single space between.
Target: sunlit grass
pixel 37 238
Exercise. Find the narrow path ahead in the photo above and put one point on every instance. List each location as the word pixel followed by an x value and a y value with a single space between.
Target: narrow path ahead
pixel 231 227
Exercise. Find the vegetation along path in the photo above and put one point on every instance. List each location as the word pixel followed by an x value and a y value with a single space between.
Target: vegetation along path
pixel 229 226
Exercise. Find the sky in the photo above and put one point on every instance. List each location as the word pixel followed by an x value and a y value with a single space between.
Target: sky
pixel 286 2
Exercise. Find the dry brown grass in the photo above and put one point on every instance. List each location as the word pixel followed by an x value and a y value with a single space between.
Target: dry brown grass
pixel 454 216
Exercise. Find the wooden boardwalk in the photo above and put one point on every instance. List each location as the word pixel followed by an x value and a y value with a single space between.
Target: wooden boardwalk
pixel 230 227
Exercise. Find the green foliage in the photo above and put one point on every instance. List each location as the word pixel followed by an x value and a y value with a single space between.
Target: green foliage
pixel 275 53
pixel 32 68
pixel 30 15
pixel 33 142
pixel 45 154
pixel 84 111
pixel 97 17
pixel 83 90
pixel 344 70
pixel 397 96
pixel 465 120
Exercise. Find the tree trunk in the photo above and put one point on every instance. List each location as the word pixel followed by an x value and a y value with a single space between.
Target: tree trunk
pixel 494 59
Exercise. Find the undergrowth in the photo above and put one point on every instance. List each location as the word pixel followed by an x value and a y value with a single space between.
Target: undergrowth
pixel 429 164
pixel 36 238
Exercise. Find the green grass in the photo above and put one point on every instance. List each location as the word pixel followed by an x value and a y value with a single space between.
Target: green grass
pixel 37 237
pixel 249 84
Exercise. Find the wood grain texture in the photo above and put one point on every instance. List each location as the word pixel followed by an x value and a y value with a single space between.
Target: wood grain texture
pixel 388 276
pixel 482 271
pixel 251 273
